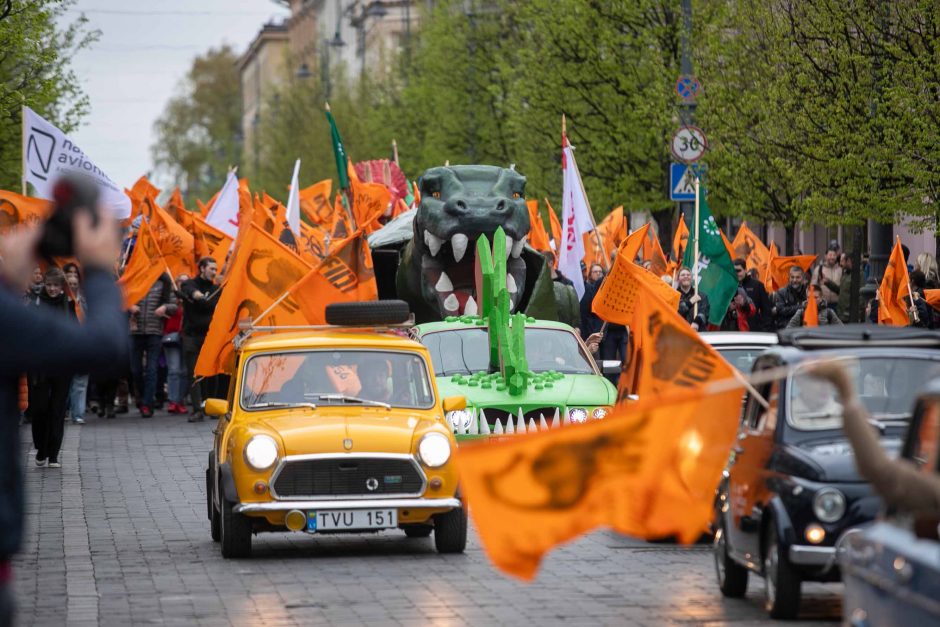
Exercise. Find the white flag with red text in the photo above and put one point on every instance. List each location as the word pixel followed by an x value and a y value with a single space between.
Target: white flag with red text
pixel 575 219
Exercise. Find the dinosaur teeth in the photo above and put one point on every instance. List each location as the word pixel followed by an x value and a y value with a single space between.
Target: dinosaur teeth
pixel 509 246
pixel 444 283
pixel 459 244
pixel 451 303
pixel 433 242
pixel 470 309
pixel 511 284
pixel 517 247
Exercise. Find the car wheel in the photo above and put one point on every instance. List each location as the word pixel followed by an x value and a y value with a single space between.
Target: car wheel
pixel 732 577
pixel 418 531
pixel 781 581
pixel 235 532
pixel 450 531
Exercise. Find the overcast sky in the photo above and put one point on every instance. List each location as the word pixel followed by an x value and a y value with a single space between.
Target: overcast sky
pixel 144 51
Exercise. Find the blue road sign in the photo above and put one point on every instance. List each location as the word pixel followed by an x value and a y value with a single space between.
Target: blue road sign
pixel 682 180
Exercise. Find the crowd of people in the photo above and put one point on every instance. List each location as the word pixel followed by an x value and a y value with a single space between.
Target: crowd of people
pixel 166 329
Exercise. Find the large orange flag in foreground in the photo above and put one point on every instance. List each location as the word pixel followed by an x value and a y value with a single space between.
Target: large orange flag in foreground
pixel 811 313
pixel 894 298
pixel 261 271
pixel 143 268
pixel 748 246
pixel 16 210
pixel 649 470
pixel 538 237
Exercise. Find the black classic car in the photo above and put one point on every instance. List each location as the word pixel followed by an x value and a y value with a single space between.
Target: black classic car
pixel 892 569
pixel 791 492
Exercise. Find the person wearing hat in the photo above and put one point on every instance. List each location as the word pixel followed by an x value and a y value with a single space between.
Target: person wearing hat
pixel 827 276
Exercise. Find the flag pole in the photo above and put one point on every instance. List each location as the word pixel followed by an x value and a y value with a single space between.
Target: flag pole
pixel 695 249
pixel 597 236
pixel 395 151
pixel 23 126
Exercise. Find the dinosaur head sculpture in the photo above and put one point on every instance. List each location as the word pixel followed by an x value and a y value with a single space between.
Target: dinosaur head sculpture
pixel 458 205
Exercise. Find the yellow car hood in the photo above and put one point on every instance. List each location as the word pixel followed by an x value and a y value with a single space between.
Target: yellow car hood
pixel 348 430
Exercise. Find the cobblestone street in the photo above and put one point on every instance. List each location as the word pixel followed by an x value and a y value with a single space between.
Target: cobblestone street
pixel 127 512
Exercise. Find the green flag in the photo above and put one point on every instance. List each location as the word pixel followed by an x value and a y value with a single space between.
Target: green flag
pixel 716 276
pixel 338 151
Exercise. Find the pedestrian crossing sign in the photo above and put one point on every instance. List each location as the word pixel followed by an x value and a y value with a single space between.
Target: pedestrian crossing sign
pixel 682 180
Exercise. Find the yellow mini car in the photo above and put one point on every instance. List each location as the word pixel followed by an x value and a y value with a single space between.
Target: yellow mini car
pixel 331 430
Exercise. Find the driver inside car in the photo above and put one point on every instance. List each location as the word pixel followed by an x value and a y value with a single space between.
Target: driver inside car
pixel 814 398
pixel 373 375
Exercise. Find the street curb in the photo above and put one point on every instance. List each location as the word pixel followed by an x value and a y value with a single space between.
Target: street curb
pixel 81 588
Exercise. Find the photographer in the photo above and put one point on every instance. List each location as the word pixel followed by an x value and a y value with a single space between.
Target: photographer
pixel 39 339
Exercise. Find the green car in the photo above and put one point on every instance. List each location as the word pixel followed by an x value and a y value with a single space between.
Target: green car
pixel 564 386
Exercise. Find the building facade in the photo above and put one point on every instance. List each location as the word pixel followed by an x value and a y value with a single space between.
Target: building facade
pixel 260 67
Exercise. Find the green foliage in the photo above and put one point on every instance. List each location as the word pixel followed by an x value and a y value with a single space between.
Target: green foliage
pixel 35 70
pixel 199 132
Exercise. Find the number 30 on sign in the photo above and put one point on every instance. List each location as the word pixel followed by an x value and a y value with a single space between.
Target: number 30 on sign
pixel 689 144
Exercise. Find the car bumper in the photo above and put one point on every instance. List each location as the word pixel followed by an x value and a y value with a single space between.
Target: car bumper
pixel 807 555
pixel 284 506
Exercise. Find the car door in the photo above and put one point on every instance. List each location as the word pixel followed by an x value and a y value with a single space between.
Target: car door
pixel 747 476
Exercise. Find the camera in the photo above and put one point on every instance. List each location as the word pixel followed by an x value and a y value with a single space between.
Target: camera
pixel 70 194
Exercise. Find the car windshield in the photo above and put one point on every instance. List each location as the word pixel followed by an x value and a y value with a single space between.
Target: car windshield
pixel 741 357
pixel 336 377
pixel 887 386
pixel 466 350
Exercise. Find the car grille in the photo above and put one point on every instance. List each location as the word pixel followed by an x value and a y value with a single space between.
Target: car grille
pixel 348 477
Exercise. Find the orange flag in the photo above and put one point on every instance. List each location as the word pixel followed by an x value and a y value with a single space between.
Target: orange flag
pixel 631 247
pixel 315 203
pixel 611 231
pixel 653 252
pixel 894 295
pixel 933 298
pixel 174 241
pixel 16 209
pixel 175 206
pixel 748 246
pixel 679 240
pixel 776 272
pixel 261 272
pixel 554 225
pixel 811 313
pixel 650 470
pixel 314 243
pixel 208 240
pixel 143 268
pixel 369 202
pixel 538 238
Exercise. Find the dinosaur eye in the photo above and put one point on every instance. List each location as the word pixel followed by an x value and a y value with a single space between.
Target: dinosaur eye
pixel 516 195
pixel 435 194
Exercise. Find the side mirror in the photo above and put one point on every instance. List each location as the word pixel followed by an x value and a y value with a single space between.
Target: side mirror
pixel 216 407
pixel 610 366
pixel 453 403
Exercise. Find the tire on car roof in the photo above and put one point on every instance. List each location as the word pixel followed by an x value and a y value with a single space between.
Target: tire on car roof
pixel 367 313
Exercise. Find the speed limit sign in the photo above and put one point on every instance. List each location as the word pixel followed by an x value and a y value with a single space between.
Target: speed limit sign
pixel 689 144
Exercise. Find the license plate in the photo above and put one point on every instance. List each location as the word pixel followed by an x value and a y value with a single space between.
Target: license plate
pixel 336 520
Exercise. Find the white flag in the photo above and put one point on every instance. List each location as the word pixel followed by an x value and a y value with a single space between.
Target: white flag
pixel 293 202
pixel 48 153
pixel 223 214
pixel 575 220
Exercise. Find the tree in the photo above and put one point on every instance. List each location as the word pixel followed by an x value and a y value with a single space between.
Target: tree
pixel 199 132
pixel 35 70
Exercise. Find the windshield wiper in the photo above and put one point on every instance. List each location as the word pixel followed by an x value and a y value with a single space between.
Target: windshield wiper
pixel 268 405
pixel 352 399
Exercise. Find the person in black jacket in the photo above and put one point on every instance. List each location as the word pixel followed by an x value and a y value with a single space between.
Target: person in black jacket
pixel 200 296
pixel 147 320
pixel 789 298
pixel 38 339
pixel 762 320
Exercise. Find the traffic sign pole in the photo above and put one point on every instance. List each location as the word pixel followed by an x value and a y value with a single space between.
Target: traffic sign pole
pixel 695 252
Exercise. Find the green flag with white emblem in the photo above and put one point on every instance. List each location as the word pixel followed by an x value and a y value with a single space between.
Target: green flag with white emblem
pixel 716 276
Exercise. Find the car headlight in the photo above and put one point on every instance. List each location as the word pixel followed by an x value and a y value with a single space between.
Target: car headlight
pixel 434 449
pixel 261 452
pixel 829 505
pixel 577 414
pixel 600 413
pixel 460 419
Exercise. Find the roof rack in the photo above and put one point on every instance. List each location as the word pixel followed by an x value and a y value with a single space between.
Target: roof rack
pixel 858 335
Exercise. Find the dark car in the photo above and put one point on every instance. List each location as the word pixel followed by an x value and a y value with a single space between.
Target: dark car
pixel 892 569
pixel 791 490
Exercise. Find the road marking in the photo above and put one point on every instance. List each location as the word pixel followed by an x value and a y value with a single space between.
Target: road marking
pixel 81 588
